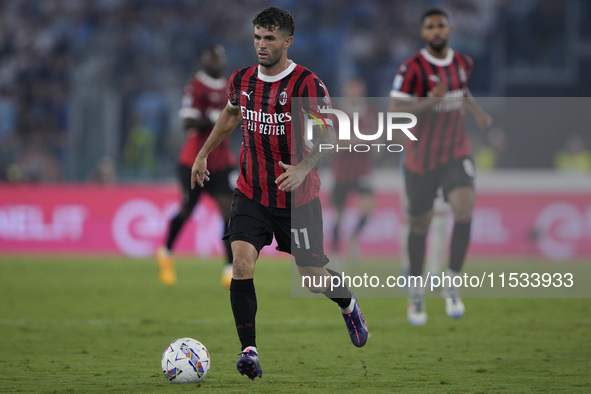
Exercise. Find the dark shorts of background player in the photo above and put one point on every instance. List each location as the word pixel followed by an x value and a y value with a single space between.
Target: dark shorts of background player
pixel 421 189
pixel 218 184
pixel 256 224
pixel 342 190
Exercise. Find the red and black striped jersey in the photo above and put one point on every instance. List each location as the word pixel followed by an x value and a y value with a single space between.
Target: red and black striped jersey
pixel 440 131
pixel 268 131
pixel 205 96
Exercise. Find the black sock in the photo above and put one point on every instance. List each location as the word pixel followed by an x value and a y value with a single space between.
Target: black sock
pixel 361 224
pixel 341 295
pixel 175 227
pixel 244 306
pixel 229 255
pixel 416 252
pixel 460 240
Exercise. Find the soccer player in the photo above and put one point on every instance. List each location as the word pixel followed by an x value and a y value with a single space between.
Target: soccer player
pixel 203 100
pixel 278 186
pixel 441 157
pixel 352 170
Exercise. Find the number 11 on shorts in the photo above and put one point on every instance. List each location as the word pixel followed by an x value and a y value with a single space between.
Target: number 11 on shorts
pixel 296 237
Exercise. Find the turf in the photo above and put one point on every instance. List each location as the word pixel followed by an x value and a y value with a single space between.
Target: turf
pixel 95 325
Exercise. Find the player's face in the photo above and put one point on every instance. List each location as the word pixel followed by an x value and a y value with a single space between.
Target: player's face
pixel 213 61
pixel 435 31
pixel 270 45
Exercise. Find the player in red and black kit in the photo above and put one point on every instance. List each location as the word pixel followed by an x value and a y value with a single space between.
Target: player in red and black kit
pixel 433 84
pixel 352 170
pixel 204 98
pixel 278 185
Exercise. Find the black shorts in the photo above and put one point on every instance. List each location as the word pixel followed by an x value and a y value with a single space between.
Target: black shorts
pixel 421 189
pixel 219 184
pixel 342 190
pixel 299 234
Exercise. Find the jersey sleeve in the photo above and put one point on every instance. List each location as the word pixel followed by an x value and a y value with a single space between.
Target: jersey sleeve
pixel 469 65
pixel 404 83
pixel 190 103
pixel 318 97
pixel 233 91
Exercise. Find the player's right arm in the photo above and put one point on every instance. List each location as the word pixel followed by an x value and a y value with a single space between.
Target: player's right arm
pixel 227 122
pixel 405 95
pixel 192 111
pixel 415 105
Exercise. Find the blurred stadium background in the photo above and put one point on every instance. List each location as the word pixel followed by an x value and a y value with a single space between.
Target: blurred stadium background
pixel 90 91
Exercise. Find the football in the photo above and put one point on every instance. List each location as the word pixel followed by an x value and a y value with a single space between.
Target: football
pixel 185 360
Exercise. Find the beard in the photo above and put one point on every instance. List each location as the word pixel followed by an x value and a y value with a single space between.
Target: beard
pixel 271 60
pixel 439 46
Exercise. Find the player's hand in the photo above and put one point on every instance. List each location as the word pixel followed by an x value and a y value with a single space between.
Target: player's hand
pixel 483 120
pixel 439 90
pixel 199 172
pixel 292 178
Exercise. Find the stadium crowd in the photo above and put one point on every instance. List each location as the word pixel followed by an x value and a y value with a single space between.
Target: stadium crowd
pixel 54 51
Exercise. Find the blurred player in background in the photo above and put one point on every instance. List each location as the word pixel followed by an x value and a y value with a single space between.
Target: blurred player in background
pixel 441 157
pixel 260 97
pixel 203 100
pixel 352 170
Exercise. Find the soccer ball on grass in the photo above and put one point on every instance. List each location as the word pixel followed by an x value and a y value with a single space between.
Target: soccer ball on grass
pixel 185 360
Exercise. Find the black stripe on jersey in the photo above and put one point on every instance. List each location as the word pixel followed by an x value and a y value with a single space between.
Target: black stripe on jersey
pixel 250 104
pixel 435 116
pixel 282 139
pixel 424 78
pixel 269 165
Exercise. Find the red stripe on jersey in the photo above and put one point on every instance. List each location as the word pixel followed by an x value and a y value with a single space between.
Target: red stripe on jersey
pixel 241 78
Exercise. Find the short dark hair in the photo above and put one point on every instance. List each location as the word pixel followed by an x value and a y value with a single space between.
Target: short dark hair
pixel 432 12
pixel 275 18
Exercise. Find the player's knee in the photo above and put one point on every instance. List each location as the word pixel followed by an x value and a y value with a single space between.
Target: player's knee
pixel 463 214
pixel 243 267
pixel 463 217
pixel 419 227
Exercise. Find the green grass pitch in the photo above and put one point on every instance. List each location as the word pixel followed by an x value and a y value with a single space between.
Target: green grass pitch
pixel 100 324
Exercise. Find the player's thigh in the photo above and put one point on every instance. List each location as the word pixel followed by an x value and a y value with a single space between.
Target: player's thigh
pixel 302 235
pixel 249 223
pixel 458 187
pixel 421 190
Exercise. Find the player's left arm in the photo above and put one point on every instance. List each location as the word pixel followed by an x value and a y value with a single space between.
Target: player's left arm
pixel 294 176
pixel 483 118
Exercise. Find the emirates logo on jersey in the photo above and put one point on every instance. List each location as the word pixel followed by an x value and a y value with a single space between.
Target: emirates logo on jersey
pixel 283 98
